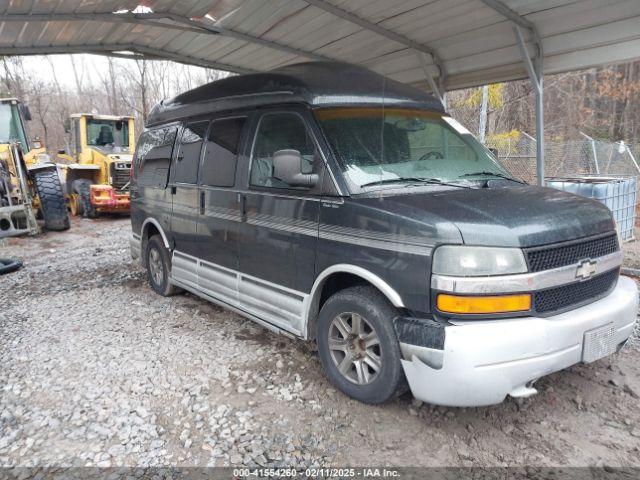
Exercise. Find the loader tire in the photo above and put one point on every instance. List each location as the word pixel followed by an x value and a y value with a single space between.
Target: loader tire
pixel 83 189
pixel 54 210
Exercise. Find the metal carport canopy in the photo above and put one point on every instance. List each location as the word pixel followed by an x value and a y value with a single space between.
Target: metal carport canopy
pixel 435 44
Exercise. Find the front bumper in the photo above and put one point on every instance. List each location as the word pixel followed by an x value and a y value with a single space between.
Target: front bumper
pixel 105 199
pixel 484 361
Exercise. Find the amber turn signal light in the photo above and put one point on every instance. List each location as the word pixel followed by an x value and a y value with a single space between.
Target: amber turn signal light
pixel 490 304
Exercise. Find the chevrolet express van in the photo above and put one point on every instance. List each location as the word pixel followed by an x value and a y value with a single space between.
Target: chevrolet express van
pixel 329 203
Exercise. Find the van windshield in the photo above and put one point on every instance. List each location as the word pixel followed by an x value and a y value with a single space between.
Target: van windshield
pixel 377 146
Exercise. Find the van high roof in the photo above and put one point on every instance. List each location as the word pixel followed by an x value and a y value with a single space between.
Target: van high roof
pixel 314 83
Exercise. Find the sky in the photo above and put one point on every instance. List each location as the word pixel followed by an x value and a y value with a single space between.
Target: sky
pixel 62 65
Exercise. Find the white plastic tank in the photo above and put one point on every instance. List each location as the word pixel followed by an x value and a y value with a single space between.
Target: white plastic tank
pixel 620 194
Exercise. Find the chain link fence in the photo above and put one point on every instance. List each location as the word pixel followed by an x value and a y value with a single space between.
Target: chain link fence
pixel 566 158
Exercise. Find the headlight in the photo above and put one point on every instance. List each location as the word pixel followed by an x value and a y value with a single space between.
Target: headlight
pixel 467 261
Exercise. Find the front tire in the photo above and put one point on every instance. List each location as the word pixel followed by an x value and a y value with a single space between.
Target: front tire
pixel 82 188
pixel 358 346
pixel 158 260
pixel 54 210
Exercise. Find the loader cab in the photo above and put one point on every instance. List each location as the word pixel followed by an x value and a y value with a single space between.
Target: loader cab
pixel 12 122
pixel 105 133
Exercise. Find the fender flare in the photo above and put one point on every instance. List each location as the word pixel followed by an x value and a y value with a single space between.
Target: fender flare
pixel 313 300
pixel 160 229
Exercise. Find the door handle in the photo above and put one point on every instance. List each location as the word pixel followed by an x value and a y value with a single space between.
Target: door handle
pixel 201 203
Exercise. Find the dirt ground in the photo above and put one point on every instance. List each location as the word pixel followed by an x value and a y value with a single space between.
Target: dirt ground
pixel 97 370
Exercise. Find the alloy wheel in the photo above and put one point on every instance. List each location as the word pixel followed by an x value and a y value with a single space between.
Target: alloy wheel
pixel 355 348
pixel 155 266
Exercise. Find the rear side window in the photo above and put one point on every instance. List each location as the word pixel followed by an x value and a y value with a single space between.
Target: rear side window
pixel 153 157
pixel 186 166
pixel 221 152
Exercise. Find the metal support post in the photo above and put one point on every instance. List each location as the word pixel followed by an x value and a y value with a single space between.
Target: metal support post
pixel 437 90
pixel 535 75
pixel 594 151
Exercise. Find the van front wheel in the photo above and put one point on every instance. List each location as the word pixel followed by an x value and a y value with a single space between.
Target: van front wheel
pixel 159 267
pixel 358 346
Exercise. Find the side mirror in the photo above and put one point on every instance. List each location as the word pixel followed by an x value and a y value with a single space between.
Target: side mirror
pixel 494 151
pixel 287 166
pixel 26 113
pixel 67 125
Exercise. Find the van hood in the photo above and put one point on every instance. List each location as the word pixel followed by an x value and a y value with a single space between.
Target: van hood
pixel 513 217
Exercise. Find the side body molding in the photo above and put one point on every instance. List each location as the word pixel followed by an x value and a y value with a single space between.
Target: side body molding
pixel 313 301
pixel 156 224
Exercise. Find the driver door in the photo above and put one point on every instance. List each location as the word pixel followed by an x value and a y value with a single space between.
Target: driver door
pixel 279 232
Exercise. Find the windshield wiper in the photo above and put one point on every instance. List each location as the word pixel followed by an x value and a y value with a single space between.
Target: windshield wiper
pixel 428 181
pixel 493 174
pixel 401 180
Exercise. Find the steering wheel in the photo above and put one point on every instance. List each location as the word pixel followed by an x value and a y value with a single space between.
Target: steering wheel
pixel 430 155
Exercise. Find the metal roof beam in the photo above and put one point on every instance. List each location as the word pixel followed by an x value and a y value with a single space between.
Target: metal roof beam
pixel 507 12
pixel 382 31
pixel 154 19
pixel 437 90
pixel 116 51
pixel 216 29
pixel 178 57
pixel 50 49
pixel 517 19
pixel 97 17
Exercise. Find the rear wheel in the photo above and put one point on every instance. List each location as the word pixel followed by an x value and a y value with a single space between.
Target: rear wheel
pixel 54 210
pixel 82 188
pixel 75 205
pixel 158 262
pixel 358 346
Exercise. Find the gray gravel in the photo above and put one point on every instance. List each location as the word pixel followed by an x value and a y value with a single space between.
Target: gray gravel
pixel 97 370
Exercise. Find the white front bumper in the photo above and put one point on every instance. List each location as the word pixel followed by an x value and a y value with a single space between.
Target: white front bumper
pixel 484 361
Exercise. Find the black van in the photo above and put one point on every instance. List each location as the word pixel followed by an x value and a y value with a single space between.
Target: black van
pixel 330 203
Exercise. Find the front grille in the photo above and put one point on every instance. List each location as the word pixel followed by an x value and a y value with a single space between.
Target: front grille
pixel 554 256
pixel 559 298
pixel 120 177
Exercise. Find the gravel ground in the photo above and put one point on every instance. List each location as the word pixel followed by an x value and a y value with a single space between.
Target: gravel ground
pixel 97 370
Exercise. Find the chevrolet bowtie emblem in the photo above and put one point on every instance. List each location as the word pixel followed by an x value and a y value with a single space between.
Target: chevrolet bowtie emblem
pixel 586 269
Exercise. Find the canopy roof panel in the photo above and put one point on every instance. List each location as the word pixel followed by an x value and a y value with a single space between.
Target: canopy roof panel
pixel 460 43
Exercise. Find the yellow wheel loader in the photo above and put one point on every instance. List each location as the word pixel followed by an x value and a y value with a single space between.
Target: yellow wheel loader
pixel 96 171
pixel 29 182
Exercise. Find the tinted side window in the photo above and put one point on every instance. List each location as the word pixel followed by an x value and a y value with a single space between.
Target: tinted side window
pixel 221 152
pixel 186 166
pixel 279 131
pixel 153 157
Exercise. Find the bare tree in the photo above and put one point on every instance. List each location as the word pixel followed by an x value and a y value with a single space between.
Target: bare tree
pixel 40 96
pixel 77 65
